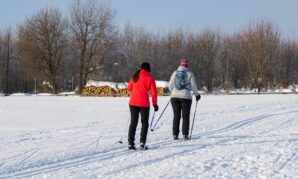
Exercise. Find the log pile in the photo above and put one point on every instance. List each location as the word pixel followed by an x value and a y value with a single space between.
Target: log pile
pixel 123 92
pixel 162 91
pixel 46 87
pixel 113 89
pixel 98 91
pixel 108 91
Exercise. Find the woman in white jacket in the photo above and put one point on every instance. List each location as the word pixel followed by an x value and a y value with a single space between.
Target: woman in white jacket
pixel 182 83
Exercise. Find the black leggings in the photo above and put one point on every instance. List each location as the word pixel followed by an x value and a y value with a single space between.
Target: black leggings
pixel 179 105
pixel 134 112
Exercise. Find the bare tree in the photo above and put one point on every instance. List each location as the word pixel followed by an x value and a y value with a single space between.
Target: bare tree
pixel 6 56
pixel 156 53
pixel 233 68
pixel 1 63
pixel 95 49
pixel 260 43
pixel 129 48
pixel 92 28
pixel 7 43
pixel 194 53
pixel 209 43
pixel 137 47
pixel 295 64
pixel 42 40
pixel 238 70
pixel 143 43
pixel 224 62
pixel 288 62
pixel 174 48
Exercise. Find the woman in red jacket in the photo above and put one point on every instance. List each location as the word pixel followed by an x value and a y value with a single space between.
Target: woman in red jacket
pixel 139 86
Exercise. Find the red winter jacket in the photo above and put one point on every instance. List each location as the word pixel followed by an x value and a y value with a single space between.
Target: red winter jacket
pixel 139 90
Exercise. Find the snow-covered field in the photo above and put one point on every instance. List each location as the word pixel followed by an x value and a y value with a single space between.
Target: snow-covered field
pixel 234 136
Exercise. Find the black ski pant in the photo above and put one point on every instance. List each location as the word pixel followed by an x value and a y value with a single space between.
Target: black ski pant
pixel 181 105
pixel 134 112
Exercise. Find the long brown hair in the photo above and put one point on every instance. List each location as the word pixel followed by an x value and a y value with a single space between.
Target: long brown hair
pixel 135 77
pixel 144 66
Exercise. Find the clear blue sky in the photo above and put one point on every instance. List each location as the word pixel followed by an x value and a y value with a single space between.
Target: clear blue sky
pixel 163 15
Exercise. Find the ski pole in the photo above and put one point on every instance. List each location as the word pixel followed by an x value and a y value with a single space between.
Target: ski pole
pixel 193 120
pixel 152 129
pixel 152 119
pixel 120 141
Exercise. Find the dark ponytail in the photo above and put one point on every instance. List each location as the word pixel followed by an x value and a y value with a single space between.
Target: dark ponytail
pixel 144 66
pixel 135 77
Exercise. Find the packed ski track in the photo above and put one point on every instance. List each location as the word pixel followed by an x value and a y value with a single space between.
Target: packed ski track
pixel 234 136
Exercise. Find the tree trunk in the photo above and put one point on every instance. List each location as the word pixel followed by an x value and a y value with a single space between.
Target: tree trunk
pixel 7 65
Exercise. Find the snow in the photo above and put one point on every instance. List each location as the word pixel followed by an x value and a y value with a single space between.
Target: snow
pixel 162 84
pixel 20 94
pixel 67 93
pixel 234 136
pixel 29 94
pixel 45 94
pixel 290 89
pixel 122 85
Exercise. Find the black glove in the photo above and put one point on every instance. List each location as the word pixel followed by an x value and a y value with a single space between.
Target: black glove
pixel 155 107
pixel 198 97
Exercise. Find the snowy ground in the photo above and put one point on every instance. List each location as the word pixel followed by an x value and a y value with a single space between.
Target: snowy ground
pixel 244 136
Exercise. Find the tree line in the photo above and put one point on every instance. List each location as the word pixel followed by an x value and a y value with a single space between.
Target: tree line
pixel 49 51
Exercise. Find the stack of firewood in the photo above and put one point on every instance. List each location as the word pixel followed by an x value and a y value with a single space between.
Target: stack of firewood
pixel 108 91
pixel 162 91
pixel 98 91
pixel 113 89
pixel 122 92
